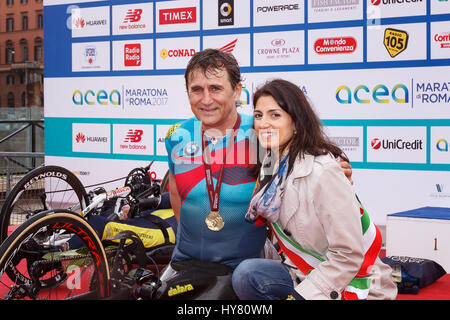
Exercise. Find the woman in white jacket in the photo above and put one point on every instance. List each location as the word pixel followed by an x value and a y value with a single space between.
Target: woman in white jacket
pixel 329 244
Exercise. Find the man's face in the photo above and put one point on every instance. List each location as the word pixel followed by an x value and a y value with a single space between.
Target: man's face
pixel 212 98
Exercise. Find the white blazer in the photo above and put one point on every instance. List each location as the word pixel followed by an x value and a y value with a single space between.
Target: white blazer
pixel 320 211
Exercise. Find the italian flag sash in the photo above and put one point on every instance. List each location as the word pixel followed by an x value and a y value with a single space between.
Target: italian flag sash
pixel 305 261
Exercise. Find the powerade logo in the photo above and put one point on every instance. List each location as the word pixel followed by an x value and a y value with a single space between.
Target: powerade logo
pixel 378 94
pixel 126 97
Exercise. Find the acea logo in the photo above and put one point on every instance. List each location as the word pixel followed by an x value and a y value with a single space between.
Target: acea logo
pixel 132 97
pixel 378 94
pixel 101 97
pixel 442 145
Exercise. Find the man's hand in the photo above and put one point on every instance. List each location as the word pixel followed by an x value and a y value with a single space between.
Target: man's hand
pixel 347 168
pixel 125 211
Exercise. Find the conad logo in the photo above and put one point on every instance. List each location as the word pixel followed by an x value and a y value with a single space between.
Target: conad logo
pixel 101 97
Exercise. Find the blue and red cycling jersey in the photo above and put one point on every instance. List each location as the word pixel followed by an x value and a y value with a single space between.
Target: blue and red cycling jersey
pixel 238 240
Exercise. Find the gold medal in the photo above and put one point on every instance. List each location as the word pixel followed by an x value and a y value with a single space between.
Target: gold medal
pixel 214 221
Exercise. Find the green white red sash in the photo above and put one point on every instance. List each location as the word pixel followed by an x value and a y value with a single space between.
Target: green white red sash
pixel 306 261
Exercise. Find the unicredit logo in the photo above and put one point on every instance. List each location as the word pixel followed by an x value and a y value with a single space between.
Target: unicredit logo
pixel 177 15
pixel 399 144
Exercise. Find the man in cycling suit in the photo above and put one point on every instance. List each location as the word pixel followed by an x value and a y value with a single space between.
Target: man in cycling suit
pixel 214 86
pixel 213 83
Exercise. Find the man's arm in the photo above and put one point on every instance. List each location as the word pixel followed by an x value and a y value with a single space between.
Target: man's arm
pixel 175 200
pixel 347 168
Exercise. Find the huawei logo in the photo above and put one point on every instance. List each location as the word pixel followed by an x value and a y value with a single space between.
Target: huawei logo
pixel 80 23
pixel 80 138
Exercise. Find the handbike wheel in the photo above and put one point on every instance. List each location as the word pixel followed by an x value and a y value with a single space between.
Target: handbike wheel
pixel 43 188
pixel 31 263
pixel 165 182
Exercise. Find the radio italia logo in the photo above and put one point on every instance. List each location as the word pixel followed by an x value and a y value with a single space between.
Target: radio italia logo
pixel 335 45
pixel 378 94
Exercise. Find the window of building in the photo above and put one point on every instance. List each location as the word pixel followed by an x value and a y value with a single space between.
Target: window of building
pixel 40 20
pixel 38 56
pixel 9 24
pixel 23 1
pixel 9 2
pixel 24 49
pixel 10 100
pixel 24 22
pixel 10 79
pixel 9 52
pixel 24 99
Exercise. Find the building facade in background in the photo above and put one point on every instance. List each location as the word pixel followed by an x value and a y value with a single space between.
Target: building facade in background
pixel 21 54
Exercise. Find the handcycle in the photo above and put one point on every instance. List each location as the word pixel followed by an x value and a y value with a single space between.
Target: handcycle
pixel 54 187
pixel 32 265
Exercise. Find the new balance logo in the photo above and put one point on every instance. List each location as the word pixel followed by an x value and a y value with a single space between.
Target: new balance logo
pixel 439 187
pixel 134 135
pixel 133 15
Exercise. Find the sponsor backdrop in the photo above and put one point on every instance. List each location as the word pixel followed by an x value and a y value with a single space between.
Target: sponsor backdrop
pixel 376 71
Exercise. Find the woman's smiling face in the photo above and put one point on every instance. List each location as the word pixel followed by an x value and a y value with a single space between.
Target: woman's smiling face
pixel 274 126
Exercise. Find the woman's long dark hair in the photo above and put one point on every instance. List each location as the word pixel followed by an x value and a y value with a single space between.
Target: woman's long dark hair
pixel 309 137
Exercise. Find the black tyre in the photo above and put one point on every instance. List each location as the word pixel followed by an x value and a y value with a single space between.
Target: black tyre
pixel 31 266
pixel 43 188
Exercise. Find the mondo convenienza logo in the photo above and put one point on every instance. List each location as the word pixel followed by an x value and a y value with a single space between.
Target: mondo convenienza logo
pixel 335 45
pixel 379 94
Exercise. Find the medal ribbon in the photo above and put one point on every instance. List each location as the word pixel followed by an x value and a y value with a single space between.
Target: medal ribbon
pixel 214 193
